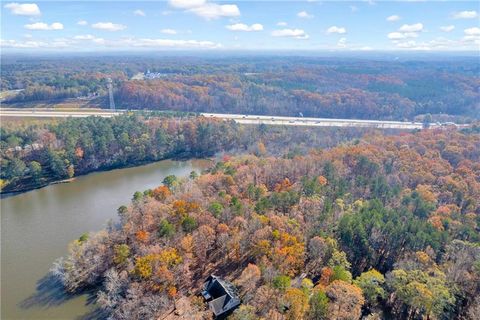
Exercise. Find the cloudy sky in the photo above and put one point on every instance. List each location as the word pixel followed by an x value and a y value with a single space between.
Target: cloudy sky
pixel 240 25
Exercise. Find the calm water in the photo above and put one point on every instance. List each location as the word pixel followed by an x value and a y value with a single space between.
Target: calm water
pixel 37 226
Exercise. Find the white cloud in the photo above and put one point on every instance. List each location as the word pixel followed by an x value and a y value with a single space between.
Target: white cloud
pixel 395 36
pixel 244 27
pixel 139 13
pixel 475 31
pixel 465 15
pixel 472 36
pixel 417 27
pixel 447 28
pixel 410 34
pixel 472 40
pixel 82 23
pixel 304 14
pixel 23 9
pixel 412 44
pixel 282 24
pixel 89 42
pixel 100 41
pixel 342 42
pixel 206 10
pixel 401 35
pixel 354 8
pixel 44 26
pixel 57 43
pixel 82 40
pixel 91 38
pixel 335 29
pixel 365 48
pixel 56 26
pixel 291 33
pixel 84 37
pixel 165 43
pixel 21 44
pixel 406 31
pixel 393 18
pixel 168 31
pixel 435 44
pixel 440 43
pixel 108 26
pixel 187 4
pixel 213 11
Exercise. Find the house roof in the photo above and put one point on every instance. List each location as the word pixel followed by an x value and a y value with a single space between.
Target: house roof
pixel 218 305
pixel 223 295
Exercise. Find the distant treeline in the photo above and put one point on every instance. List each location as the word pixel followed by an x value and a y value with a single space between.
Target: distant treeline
pixel 316 87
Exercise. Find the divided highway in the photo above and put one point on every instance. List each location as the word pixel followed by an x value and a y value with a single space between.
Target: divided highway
pixel 320 122
pixel 244 119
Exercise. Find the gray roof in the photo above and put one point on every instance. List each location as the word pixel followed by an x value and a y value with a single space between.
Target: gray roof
pixel 218 305
pixel 223 294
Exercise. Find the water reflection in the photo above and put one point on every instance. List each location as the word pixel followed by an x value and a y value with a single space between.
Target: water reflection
pixel 51 293
pixel 37 226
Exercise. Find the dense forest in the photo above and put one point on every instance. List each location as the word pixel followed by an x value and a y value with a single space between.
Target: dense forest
pixel 34 155
pixel 385 227
pixel 306 223
pixel 365 88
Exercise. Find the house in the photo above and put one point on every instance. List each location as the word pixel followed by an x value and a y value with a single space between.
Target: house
pixel 27 148
pixel 37 146
pixel 222 296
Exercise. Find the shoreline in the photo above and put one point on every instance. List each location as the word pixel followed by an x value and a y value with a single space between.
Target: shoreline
pixel 10 193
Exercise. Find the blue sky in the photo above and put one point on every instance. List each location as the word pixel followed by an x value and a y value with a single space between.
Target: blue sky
pixel 240 25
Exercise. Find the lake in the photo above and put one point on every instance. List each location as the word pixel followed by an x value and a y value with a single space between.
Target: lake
pixel 37 226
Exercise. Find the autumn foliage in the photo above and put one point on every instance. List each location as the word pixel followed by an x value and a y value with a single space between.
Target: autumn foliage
pixel 386 227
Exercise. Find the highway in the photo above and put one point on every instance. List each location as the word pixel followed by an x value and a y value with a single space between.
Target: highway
pixel 239 118
pixel 319 122
pixel 52 113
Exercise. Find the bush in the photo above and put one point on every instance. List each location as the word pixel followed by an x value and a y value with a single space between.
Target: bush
pixel 318 305
pixel 166 229
pixel 340 273
pixel 216 209
pixel 189 224
pixel 281 282
pixel 122 252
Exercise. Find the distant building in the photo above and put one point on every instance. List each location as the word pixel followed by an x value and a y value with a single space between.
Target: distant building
pixel 222 296
pixel 154 75
pixel 37 146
